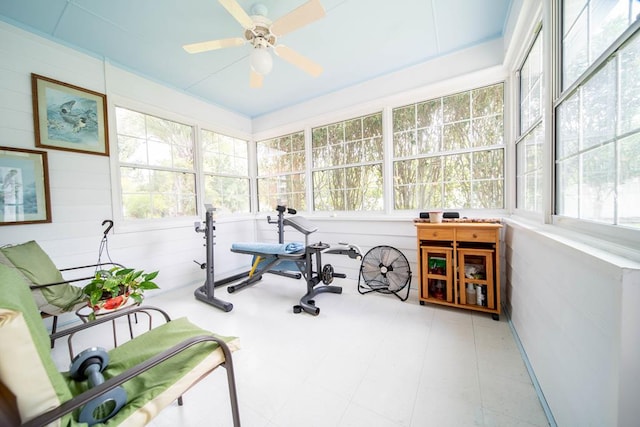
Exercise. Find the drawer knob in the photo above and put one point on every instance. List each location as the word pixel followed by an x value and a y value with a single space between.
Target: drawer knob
pixel 474 235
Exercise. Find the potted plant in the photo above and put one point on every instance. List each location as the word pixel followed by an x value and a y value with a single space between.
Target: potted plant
pixel 111 289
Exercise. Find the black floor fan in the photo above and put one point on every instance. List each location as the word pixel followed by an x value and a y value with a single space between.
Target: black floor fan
pixel 386 270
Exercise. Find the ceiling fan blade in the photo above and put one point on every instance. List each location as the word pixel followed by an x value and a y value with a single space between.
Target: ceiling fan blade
pixel 297 18
pixel 213 44
pixel 238 12
pixel 255 79
pixel 298 60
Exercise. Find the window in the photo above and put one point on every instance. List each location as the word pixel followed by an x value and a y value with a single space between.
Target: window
pixel 281 171
pixel 448 152
pixel 529 161
pixel 157 172
pixel 589 27
pixel 347 165
pixel 225 166
pixel 598 122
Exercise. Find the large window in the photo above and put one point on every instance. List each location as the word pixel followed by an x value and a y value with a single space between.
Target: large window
pixel 347 165
pixel 281 172
pixel 598 122
pixel 589 27
pixel 529 145
pixel 449 151
pixel 225 165
pixel 157 173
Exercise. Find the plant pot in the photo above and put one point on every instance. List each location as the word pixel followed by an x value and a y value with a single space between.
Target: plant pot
pixel 435 216
pixel 109 303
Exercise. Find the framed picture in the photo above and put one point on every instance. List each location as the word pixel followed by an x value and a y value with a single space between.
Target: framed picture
pixel 24 187
pixel 68 117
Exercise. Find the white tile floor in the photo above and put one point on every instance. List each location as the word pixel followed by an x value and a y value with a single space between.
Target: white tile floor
pixel 365 360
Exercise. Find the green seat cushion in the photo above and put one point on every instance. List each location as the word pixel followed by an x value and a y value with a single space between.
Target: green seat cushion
pixel 39 269
pixel 154 382
pixel 26 366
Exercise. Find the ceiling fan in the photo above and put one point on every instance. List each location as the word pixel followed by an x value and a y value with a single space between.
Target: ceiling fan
pixel 263 35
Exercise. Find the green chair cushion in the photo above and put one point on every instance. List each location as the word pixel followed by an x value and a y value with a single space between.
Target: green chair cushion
pixel 154 382
pixel 39 269
pixel 26 366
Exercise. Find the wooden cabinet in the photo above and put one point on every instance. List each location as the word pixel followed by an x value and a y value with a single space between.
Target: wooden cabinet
pixel 459 265
pixel 438 272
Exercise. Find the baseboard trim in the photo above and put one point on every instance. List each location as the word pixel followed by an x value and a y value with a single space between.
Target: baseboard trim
pixel 532 375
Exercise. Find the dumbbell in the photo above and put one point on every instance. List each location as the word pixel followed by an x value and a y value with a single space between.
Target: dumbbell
pixel 88 365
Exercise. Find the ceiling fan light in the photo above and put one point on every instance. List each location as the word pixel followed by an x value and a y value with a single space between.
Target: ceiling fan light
pixel 261 60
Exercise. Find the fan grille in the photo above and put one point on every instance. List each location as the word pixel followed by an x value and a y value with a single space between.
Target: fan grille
pixel 384 269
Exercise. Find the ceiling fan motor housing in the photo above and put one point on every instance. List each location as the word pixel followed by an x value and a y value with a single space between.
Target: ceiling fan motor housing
pixel 260 35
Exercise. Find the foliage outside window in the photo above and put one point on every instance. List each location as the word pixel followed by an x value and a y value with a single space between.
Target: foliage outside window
pixel 156 160
pixel 347 165
pixel 281 171
pixel 529 146
pixel 225 165
pixel 449 153
pixel 589 27
pixel 598 142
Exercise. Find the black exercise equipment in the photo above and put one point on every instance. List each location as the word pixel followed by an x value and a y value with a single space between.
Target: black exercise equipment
pixel 281 221
pixel 281 209
pixel 88 365
pixel 303 260
pixel 206 293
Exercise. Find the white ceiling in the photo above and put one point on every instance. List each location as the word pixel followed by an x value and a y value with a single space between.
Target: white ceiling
pixel 356 41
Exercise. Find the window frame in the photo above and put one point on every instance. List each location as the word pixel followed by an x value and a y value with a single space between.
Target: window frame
pixel 584 229
pixel 131 225
pixel 149 167
pixel 344 166
pixel 205 173
pixel 284 174
pixel 443 154
pixel 521 134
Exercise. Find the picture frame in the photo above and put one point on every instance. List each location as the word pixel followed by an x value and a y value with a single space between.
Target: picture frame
pixel 68 117
pixel 24 187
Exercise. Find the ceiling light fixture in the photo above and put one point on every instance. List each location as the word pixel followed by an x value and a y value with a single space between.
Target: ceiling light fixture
pixel 261 60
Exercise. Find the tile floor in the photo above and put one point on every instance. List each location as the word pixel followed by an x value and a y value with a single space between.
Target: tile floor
pixel 365 360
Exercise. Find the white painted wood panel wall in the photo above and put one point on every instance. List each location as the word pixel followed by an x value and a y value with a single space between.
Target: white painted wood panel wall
pixel 80 184
pixel 576 311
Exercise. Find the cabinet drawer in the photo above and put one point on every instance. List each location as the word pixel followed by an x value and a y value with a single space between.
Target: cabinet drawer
pixel 435 234
pixel 481 235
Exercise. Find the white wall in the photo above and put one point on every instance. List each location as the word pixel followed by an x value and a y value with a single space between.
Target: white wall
pixel 81 184
pixel 575 309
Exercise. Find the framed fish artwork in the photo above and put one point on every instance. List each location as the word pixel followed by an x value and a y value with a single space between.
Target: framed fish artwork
pixel 68 117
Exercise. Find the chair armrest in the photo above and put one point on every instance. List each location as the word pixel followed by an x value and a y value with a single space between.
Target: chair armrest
pixel 108 317
pixel 103 319
pixel 83 398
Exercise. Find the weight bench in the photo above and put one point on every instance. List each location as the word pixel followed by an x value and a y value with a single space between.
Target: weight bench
pixel 291 256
